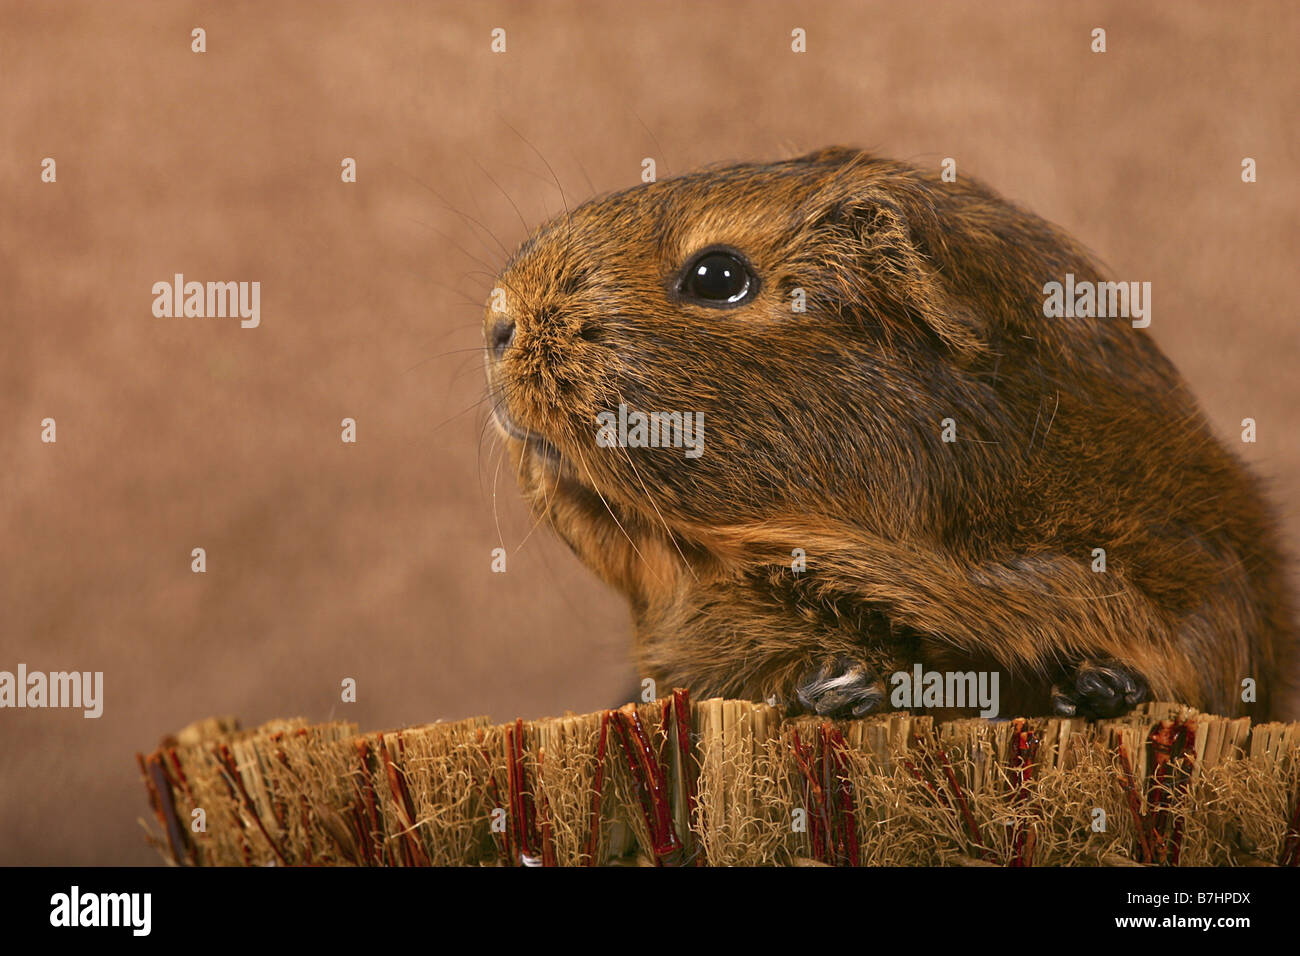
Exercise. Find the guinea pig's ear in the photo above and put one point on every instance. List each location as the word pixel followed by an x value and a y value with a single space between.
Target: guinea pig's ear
pixel 881 270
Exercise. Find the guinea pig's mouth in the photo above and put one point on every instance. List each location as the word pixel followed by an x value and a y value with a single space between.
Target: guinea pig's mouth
pixel 530 439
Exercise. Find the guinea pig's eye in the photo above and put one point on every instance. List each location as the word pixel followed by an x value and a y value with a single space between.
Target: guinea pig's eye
pixel 719 278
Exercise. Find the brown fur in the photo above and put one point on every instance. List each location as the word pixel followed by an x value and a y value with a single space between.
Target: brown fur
pixel 924 302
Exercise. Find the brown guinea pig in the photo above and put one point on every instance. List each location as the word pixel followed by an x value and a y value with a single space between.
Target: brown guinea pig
pixel 905 461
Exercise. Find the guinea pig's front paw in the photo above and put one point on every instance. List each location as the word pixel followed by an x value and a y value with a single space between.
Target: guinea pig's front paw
pixel 1099 689
pixel 839 687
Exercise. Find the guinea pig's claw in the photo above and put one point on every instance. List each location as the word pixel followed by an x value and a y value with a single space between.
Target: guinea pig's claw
pixel 1099 689
pixel 840 687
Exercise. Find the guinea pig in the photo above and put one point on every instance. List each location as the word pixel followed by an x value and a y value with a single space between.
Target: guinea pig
pixel 898 459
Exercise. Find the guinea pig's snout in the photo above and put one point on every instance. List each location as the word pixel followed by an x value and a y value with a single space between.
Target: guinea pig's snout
pixel 501 337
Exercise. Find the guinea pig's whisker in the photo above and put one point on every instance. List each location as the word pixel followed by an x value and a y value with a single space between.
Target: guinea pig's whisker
pixel 545 512
pixel 438 355
pixel 523 222
pixel 465 370
pixel 496 515
pixel 470 408
pixel 650 498
pixel 544 515
pixel 530 172
pixel 563 198
pixel 459 248
pixel 655 140
pixel 538 152
pixel 498 448
pixel 468 218
pixel 619 524
pixel 470 301
pixel 473 195
pixel 591 187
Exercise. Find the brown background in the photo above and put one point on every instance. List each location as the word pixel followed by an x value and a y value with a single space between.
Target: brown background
pixel 372 561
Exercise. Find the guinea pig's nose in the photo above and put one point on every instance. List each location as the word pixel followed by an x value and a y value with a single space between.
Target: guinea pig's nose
pixel 502 337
